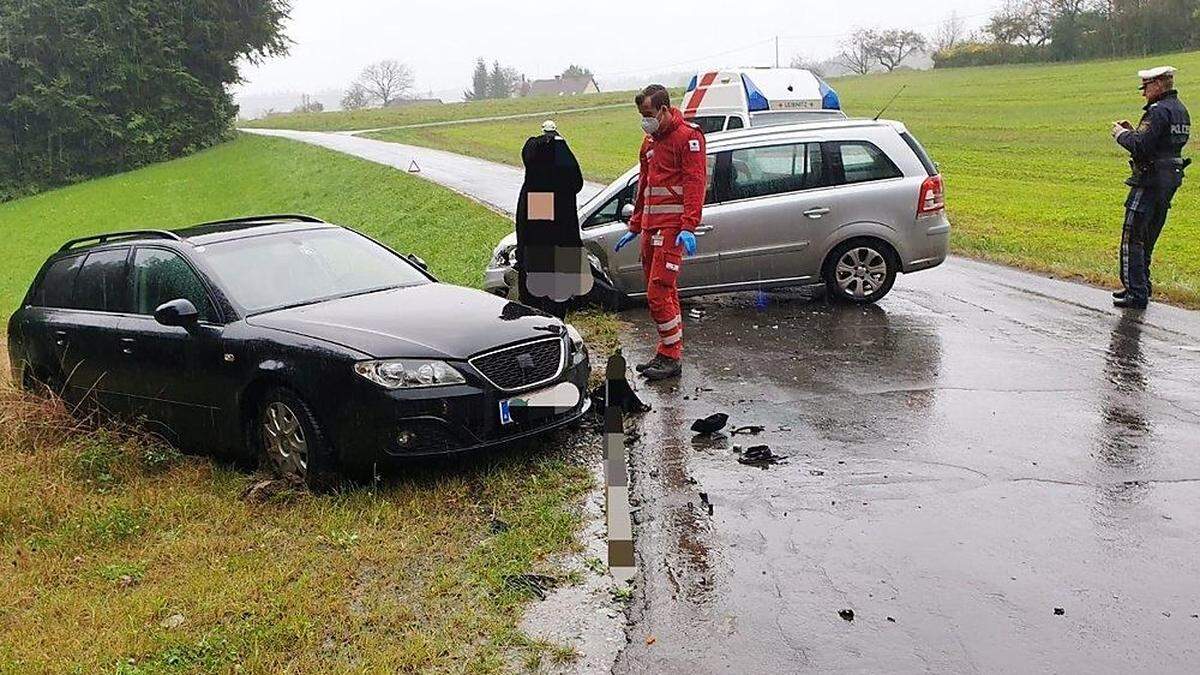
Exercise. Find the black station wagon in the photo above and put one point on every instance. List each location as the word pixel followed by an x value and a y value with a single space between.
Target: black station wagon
pixel 309 344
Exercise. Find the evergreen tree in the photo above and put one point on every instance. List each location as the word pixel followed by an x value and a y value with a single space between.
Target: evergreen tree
pixel 480 82
pixel 89 87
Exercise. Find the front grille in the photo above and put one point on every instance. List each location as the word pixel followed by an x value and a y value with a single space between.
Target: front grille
pixel 523 365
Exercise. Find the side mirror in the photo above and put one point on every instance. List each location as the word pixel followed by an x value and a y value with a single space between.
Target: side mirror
pixel 418 261
pixel 626 212
pixel 179 312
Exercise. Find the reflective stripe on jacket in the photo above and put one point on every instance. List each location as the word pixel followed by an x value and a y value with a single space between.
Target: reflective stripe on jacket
pixel 672 178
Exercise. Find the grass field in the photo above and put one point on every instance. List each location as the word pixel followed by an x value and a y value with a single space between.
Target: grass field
pixel 255 175
pixel 1033 177
pixel 121 556
pixel 374 118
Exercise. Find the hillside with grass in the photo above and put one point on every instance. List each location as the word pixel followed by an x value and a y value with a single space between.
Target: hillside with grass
pixel 374 118
pixel 1033 176
pixel 254 174
pixel 122 556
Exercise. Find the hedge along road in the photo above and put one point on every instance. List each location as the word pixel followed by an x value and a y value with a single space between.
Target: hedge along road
pixel 984 448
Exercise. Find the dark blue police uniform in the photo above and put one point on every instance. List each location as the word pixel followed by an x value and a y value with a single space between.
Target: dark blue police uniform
pixel 1155 148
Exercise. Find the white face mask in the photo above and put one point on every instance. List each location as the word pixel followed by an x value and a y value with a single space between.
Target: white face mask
pixel 649 125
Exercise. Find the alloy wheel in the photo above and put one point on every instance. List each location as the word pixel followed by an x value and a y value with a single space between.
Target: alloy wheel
pixel 283 439
pixel 861 271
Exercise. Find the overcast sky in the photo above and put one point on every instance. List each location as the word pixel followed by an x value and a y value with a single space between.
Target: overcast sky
pixel 334 39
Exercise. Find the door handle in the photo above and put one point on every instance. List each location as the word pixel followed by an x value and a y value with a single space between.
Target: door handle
pixel 127 345
pixel 60 337
pixel 702 230
pixel 817 212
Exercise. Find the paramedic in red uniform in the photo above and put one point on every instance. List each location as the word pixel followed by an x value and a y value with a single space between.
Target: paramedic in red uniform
pixel 670 196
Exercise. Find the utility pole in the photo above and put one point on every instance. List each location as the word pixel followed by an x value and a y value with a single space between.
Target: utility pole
pixel 776 51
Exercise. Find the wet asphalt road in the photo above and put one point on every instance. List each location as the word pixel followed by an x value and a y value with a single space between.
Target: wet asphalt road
pixel 982 447
pixel 493 184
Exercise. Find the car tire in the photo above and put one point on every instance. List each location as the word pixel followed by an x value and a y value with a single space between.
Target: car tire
pixel 603 295
pixel 860 271
pixel 291 441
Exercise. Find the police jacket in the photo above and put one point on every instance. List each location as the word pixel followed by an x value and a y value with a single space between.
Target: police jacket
pixel 1156 145
pixel 672 179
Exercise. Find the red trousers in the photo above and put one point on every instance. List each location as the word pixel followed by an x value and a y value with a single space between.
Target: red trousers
pixel 661 261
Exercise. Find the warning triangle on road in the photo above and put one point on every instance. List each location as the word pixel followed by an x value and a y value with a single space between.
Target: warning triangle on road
pixel 413 168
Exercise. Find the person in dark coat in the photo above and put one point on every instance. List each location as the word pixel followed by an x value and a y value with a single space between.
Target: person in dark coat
pixel 551 263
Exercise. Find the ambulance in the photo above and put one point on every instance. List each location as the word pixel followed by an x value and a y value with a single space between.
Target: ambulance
pixel 720 100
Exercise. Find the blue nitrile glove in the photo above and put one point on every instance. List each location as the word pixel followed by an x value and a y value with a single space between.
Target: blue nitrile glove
pixel 688 240
pixel 625 239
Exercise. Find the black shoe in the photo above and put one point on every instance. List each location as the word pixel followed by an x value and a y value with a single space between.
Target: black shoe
pixel 641 367
pixel 1118 295
pixel 664 369
pixel 1128 302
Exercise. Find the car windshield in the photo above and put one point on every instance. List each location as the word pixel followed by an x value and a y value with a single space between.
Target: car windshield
pixel 297 268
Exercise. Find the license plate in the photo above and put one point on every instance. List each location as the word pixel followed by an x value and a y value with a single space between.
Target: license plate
pixel 560 398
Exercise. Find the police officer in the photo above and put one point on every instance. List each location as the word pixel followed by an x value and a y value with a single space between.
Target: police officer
pixel 1155 147
pixel 672 180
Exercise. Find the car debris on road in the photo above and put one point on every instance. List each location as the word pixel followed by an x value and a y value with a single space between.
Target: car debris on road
pixel 711 424
pixel 760 456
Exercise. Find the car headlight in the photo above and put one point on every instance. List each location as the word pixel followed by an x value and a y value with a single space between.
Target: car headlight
pixel 409 373
pixel 576 338
pixel 505 257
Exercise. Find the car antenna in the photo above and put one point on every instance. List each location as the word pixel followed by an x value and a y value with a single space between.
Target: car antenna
pixel 889 103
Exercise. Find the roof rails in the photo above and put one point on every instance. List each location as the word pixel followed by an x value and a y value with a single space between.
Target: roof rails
pixel 304 218
pixel 98 239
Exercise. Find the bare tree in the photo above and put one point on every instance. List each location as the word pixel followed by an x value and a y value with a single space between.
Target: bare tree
pixel 1026 22
pixel 949 33
pixel 855 52
pixel 387 80
pixel 356 97
pixel 810 65
pixel 891 47
pixel 308 105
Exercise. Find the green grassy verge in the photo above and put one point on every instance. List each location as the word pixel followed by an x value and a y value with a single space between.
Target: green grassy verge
pixel 255 175
pixel 1033 177
pixel 605 141
pixel 375 118
pixel 121 556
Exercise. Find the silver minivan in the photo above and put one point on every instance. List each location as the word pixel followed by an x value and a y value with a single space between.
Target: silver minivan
pixel 847 203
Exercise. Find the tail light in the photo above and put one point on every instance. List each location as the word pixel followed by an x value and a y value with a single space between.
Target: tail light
pixel 933 196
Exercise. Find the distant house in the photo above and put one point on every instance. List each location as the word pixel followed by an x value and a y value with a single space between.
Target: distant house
pixel 560 86
pixel 403 102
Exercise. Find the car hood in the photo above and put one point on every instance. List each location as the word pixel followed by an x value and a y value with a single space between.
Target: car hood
pixel 432 320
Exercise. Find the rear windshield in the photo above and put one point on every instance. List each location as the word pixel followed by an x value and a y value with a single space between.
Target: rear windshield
pixel 299 268
pixel 919 151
